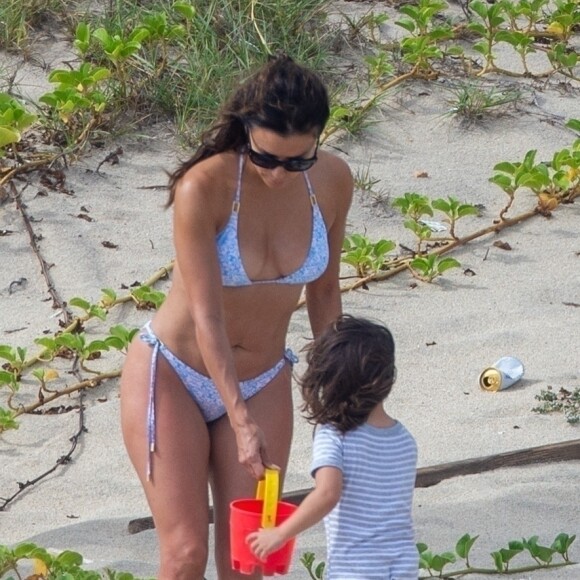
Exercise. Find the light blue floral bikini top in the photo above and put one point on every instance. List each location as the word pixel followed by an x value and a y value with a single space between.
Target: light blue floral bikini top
pixel 228 247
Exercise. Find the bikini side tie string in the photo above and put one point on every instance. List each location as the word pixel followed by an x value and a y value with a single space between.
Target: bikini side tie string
pixel 153 341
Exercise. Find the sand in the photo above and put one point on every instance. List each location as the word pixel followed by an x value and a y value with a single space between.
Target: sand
pixel 520 302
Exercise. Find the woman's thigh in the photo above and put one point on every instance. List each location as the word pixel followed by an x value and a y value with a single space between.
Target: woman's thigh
pixel 178 490
pixel 272 409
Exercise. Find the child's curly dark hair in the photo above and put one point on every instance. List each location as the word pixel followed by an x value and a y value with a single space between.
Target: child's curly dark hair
pixel 351 369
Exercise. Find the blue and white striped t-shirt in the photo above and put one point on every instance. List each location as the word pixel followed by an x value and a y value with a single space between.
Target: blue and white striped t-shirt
pixel 369 534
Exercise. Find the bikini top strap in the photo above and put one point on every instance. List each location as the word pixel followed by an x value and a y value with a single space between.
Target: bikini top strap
pixel 313 200
pixel 236 204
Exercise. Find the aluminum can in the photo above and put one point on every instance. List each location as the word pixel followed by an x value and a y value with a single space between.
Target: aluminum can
pixel 505 372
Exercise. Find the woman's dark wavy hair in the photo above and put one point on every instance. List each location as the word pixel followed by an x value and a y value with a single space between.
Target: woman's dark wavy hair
pixel 351 368
pixel 281 96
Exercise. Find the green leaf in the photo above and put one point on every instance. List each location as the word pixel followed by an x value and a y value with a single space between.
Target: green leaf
pixel 529 158
pixel 383 247
pixel 319 570
pixel 7 421
pixel 516 545
pixel 6 378
pixel 109 293
pixel 446 264
pixel 138 36
pixel 507 554
pixel 497 560
pixel 574 124
pixel 97 346
pixel 69 558
pixel 503 181
pixel 439 34
pixel 477 27
pixel 455 51
pixel 8 136
pixel 562 542
pixel 49 343
pixel 100 74
pixel 481 47
pixel 83 32
pixel 479 8
pixel 506 167
pixel 507 36
pixel 466 209
pixel 421 265
pixel 406 24
pixel 80 303
pixel 186 10
pixel 24 550
pixel 441 560
pixel 544 553
pixel 72 341
pixel 7 353
pixel 115 342
pixel 102 35
pixel 422 547
pixel 441 205
pixel 464 545
pixel 425 560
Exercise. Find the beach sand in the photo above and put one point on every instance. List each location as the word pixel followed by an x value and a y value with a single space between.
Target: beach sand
pixel 522 302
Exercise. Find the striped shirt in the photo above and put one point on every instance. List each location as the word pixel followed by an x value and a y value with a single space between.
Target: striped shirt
pixel 369 534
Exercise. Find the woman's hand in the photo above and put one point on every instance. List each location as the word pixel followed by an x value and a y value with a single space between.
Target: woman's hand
pixel 252 448
pixel 265 541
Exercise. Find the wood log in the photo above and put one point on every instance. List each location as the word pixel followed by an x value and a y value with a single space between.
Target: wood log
pixel 428 476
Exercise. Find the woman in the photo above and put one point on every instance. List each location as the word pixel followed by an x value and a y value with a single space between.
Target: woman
pixel 259 214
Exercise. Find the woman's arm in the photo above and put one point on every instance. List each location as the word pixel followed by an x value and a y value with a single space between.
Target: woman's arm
pixel 319 502
pixel 323 298
pixel 196 219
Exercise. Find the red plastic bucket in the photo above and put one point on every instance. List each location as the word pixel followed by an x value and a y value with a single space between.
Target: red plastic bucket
pixel 246 517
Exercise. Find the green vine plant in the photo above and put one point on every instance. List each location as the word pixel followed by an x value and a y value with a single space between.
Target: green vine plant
pixel 76 105
pixel 422 47
pixel 491 20
pixel 70 343
pixel 427 268
pixel 553 182
pixel 517 24
pixel 369 258
pixel 14 119
pixel 66 565
pixel 435 564
pixel 525 15
pixel 365 256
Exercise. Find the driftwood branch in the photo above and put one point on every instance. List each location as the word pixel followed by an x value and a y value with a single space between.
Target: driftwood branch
pixel 57 302
pixel 428 476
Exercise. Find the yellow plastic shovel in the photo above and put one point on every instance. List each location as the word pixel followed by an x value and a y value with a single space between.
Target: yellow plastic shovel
pixel 268 491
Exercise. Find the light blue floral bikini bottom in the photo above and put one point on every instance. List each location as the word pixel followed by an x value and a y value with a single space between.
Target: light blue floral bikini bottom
pixel 200 387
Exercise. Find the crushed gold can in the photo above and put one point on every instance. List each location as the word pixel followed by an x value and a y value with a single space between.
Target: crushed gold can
pixel 502 374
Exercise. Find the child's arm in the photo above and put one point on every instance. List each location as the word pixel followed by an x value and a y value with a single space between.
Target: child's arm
pixel 320 501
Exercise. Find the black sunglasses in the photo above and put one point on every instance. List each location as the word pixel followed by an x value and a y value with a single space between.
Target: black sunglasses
pixel 267 161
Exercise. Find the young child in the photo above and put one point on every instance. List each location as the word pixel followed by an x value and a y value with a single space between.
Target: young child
pixel 364 461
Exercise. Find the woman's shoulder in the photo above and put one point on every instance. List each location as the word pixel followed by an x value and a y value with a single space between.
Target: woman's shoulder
pixel 209 180
pixel 333 182
pixel 334 166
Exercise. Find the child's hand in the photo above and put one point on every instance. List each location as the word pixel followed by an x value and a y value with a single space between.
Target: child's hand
pixel 265 541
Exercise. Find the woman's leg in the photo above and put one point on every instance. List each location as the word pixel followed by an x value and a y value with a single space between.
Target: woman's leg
pixel 178 490
pixel 272 409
